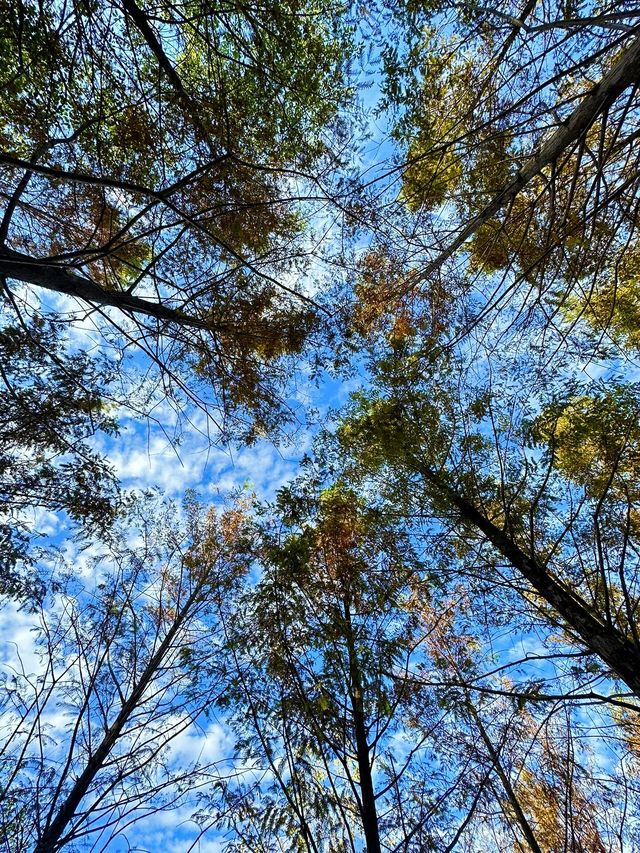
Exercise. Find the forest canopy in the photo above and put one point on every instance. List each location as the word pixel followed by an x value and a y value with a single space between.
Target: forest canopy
pixel 319 427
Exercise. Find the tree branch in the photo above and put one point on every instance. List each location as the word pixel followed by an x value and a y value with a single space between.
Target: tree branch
pixel 624 73
pixel 606 641
pixel 30 270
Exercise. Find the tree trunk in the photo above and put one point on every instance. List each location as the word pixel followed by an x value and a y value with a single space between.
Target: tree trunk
pixel 521 818
pixel 368 810
pixel 620 654
pixel 59 279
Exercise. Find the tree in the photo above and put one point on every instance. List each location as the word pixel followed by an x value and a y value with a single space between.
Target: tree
pixel 159 165
pixel 518 167
pixel 311 650
pixel 469 452
pixel 148 165
pixel 360 636
pixel 536 785
pixel 503 266
pixel 373 705
pixel 125 667
pixel 49 407
pixel 463 354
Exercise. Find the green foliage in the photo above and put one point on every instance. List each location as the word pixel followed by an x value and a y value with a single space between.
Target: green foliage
pixel 479 497
pixel 594 440
pixel 610 304
pixel 478 95
pixel 385 430
pixel 164 144
pixel 51 404
pixel 434 170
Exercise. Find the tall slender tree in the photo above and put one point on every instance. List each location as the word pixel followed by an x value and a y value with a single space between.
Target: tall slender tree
pixel 120 670
pixel 311 651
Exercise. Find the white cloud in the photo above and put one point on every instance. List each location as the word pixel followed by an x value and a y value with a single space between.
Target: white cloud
pixel 203 746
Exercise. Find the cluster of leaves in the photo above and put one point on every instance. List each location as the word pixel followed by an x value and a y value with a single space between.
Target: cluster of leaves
pixel 486 102
pixel 52 404
pixel 156 153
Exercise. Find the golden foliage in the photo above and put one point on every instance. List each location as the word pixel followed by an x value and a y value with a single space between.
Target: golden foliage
pixel 386 300
pixel 612 304
pixel 339 532
pixel 559 808
pixel 595 441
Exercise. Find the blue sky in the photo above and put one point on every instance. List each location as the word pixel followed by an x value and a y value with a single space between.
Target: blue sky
pixel 144 456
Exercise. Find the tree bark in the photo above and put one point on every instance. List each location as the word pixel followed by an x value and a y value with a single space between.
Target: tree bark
pixel 141 21
pixel 51 276
pixel 368 811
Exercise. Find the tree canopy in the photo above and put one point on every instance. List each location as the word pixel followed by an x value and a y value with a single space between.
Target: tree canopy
pixel 158 166
pixel 401 237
